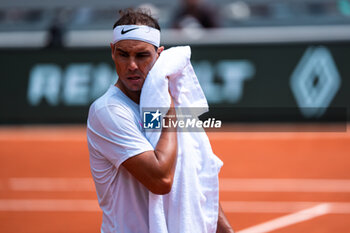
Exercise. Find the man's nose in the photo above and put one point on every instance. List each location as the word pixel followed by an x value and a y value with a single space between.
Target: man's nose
pixel 132 65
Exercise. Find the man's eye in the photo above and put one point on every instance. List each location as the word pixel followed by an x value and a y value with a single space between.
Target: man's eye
pixel 123 54
pixel 143 55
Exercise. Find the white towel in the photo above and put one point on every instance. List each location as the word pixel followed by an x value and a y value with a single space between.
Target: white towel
pixel 192 204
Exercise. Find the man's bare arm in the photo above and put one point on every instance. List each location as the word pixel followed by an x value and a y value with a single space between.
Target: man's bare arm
pixel 223 224
pixel 155 169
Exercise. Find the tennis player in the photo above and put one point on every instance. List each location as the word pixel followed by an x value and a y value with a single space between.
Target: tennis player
pixel 124 165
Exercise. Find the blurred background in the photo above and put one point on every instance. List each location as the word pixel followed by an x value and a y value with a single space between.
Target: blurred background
pixel 276 72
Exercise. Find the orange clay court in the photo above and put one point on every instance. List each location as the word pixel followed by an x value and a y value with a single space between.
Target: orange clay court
pixel 271 181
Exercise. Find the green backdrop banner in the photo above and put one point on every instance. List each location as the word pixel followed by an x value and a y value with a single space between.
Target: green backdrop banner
pixel 300 82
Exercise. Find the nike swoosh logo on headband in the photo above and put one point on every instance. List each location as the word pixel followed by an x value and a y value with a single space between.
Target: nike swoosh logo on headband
pixel 131 29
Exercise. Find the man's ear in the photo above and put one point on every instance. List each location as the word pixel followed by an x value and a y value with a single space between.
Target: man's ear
pixel 112 50
pixel 160 50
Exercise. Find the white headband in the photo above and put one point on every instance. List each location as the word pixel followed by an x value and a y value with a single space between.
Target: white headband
pixel 137 32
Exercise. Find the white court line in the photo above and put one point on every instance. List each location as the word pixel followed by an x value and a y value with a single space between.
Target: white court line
pixel 229 207
pixel 49 205
pixel 51 184
pixel 284 185
pixel 290 219
pixel 265 206
pixel 46 184
pixel 280 206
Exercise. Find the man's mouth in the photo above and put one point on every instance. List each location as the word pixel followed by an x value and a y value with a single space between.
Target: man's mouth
pixel 134 78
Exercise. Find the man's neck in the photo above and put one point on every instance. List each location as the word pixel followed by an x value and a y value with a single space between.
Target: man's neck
pixel 133 95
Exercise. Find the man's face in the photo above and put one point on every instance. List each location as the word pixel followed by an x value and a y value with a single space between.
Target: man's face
pixel 133 60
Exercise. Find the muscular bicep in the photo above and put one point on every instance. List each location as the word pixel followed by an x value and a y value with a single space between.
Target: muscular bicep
pixel 146 168
pixel 121 141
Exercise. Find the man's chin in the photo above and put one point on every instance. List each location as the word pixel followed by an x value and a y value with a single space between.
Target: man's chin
pixel 135 89
pixel 137 86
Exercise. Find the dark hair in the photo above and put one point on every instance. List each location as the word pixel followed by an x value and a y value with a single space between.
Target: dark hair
pixel 137 17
